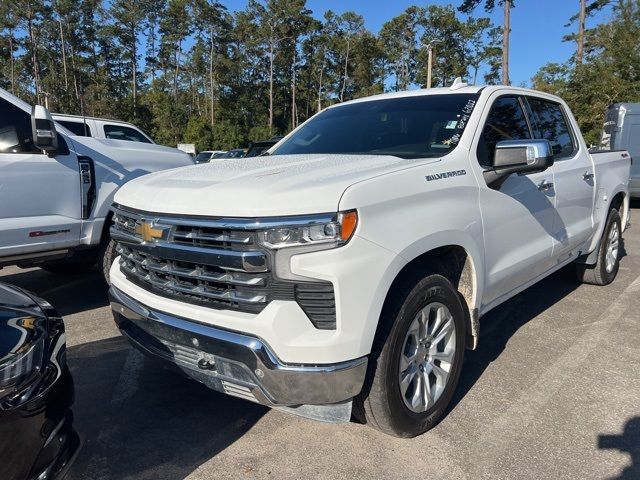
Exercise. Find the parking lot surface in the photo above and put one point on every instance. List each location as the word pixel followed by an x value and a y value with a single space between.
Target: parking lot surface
pixel 552 392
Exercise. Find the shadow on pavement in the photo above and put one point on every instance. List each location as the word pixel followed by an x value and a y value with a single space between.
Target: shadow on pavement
pixel 499 325
pixel 628 442
pixel 69 294
pixel 142 421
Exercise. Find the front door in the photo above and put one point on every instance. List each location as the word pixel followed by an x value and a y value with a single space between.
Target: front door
pixel 39 195
pixel 518 216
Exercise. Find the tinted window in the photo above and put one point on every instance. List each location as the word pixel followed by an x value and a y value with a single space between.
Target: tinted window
pixel 552 125
pixel 237 153
pixel 120 132
pixel 203 157
pixel 77 128
pixel 506 121
pixel 15 130
pixel 259 149
pixel 409 127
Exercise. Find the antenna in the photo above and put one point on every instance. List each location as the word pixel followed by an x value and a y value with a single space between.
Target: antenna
pixel 457 84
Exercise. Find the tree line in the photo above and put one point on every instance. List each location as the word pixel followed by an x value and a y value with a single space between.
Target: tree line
pixel 192 71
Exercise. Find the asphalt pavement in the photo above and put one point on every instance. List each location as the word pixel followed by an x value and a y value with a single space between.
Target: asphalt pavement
pixel 552 392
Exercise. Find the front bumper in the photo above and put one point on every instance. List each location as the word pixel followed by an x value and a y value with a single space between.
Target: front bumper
pixel 232 362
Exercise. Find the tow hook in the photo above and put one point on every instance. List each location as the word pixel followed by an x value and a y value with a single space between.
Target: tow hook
pixel 206 362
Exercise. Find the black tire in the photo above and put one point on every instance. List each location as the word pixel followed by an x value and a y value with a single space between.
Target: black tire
pixel 107 254
pixel 599 274
pixel 381 400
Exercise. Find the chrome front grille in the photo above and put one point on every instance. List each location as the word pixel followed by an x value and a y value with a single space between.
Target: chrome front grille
pixel 212 238
pixel 216 263
pixel 198 281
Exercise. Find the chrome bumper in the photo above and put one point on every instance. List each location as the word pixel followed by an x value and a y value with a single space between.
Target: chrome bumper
pixel 231 362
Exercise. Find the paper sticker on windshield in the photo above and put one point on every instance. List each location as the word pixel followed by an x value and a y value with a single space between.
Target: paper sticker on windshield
pixel 451 124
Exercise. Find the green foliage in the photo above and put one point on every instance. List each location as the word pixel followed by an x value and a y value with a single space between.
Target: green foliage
pixel 191 71
pixel 199 132
pixel 610 73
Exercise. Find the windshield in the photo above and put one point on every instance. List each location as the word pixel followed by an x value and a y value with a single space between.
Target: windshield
pixel 203 157
pixel 409 127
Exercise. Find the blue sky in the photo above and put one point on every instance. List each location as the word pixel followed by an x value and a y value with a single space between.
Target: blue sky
pixel 537 26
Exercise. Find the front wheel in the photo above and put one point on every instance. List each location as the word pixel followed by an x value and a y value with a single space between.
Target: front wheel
pixel 106 256
pixel 604 271
pixel 415 368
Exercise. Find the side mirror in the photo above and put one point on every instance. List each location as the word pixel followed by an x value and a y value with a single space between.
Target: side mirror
pixel 43 130
pixel 518 156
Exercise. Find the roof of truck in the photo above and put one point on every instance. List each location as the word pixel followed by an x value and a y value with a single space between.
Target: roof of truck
pixel 457 89
pixel 81 118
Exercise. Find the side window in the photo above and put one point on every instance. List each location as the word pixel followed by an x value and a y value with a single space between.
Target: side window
pixel 120 132
pixel 15 130
pixel 77 128
pixel 634 140
pixel 552 125
pixel 506 121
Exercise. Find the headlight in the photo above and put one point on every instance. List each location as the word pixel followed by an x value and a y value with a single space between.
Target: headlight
pixel 24 361
pixel 316 230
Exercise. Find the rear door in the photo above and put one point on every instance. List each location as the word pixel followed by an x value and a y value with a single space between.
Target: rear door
pixel 574 177
pixel 630 140
pixel 39 195
pixel 518 216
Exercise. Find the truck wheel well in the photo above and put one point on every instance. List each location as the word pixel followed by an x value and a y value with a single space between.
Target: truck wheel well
pixel 105 228
pixel 617 201
pixel 454 263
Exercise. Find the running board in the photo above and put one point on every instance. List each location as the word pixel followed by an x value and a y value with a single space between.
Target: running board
pixel 33 258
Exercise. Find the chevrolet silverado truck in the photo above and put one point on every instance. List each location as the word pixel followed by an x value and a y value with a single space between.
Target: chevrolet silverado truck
pixel 56 189
pixel 348 270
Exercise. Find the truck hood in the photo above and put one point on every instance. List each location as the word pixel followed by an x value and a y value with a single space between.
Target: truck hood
pixel 259 186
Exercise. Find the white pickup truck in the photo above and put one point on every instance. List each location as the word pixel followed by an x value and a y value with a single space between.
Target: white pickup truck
pixel 56 188
pixel 353 264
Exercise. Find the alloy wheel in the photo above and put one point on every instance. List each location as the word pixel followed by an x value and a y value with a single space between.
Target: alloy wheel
pixel 427 356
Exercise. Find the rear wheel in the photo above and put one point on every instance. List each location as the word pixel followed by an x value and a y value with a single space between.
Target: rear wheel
pixel 416 361
pixel 604 271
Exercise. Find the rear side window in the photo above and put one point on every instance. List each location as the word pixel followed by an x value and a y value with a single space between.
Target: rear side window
pixel 120 132
pixel 15 130
pixel 506 121
pixel 80 129
pixel 552 125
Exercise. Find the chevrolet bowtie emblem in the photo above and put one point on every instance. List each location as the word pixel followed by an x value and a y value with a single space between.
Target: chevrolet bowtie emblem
pixel 147 232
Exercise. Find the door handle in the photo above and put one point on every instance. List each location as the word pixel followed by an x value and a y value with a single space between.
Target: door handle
pixel 544 186
pixel 587 175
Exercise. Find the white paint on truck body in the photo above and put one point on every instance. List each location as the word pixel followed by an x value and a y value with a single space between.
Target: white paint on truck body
pixel 514 236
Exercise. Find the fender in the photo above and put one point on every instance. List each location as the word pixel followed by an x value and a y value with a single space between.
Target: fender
pixel 602 210
pixel 451 238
